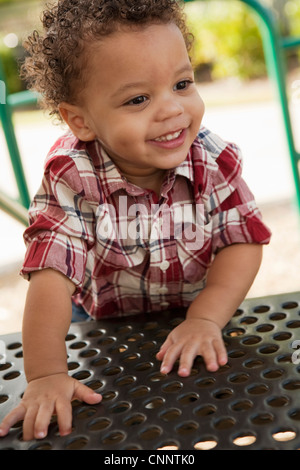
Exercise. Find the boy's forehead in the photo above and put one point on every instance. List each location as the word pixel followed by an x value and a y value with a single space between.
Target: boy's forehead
pixel 135 51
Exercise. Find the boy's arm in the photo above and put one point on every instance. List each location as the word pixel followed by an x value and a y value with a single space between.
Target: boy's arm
pixel 47 318
pixel 229 279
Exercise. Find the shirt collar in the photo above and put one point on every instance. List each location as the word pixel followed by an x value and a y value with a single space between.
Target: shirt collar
pixel 112 180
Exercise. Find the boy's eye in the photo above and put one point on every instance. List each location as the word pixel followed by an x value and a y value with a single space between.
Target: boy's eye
pixel 182 85
pixel 138 100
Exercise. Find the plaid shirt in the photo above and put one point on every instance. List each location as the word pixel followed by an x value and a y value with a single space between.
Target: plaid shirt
pixel 126 249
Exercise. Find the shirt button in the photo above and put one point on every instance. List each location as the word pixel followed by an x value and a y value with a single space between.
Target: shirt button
pixel 164 304
pixel 163 290
pixel 164 265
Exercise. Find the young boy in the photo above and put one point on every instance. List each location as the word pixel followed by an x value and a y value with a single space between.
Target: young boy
pixel 138 209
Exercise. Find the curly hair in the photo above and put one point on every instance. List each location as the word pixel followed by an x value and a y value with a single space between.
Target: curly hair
pixel 56 58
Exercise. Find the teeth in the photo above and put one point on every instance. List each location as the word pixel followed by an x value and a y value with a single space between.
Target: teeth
pixel 168 137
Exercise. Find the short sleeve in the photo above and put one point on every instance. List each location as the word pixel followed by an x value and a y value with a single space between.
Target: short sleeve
pixel 234 213
pixel 61 229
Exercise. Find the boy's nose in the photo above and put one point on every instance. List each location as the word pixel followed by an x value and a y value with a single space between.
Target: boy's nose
pixel 169 107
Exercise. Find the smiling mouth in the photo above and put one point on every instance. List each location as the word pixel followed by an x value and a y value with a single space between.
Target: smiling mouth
pixel 168 137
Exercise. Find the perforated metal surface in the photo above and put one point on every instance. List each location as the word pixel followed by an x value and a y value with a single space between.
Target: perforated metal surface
pixel 251 403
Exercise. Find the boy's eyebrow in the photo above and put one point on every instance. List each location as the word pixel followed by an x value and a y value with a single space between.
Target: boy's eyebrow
pixel 127 86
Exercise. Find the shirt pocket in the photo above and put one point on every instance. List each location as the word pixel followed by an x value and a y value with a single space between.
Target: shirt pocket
pixel 116 247
pixel 194 250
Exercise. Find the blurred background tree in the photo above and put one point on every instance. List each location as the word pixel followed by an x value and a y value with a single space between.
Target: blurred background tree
pixel 227 38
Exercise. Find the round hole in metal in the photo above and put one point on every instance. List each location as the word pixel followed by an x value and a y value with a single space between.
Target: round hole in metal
pixel 113 438
pixel 157 377
pixel 244 439
pixel 41 446
pixel 135 337
pixel 98 424
pixel 205 382
pixel 235 332
pixel 78 345
pixel 188 398
pixel 128 358
pixel 262 418
pixel 135 419
pixel 73 365
pixel 223 393
pixel 236 353
pixel 225 422
pixel 152 432
pixel 238 377
pixel 187 427
pixel 147 345
pixel 289 305
pixel 82 375
pixel 284 435
pixel 95 333
pixel 257 389
pixel 15 345
pixel 277 316
pixel 242 405
pixel 291 384
pixel 278 401
pixel 3 398
pixel 109 395
pixel 107 340
pixel 282 336
pixel 125 380
pixel 250 340
pixel 268 349
pixel 272 373
pixel 143 366
pixel 154 402
pixel 119 349
pixel 205 410
pixel 248 320
pixel 205 444
pixel 139 391
pixel 170 415
pixel 172 387
pixel 85 412
pixel 12 375
pixel 293 324
pixel 5 365
pixel 76 443
pixel 101 361
pixel 94 384
pixel 264 328
pixel 120 407
pixel 261 309
pixel 168 446
pixel 89 353
pixel 295 414
pixel 112 370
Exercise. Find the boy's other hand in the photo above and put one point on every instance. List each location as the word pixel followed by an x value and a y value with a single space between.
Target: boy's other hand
pixel 193 337
pixel 44 397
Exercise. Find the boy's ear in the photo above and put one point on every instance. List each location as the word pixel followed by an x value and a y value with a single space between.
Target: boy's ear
pixel 74 118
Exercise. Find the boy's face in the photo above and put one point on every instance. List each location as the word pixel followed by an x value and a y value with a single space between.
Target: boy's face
pixel 141 102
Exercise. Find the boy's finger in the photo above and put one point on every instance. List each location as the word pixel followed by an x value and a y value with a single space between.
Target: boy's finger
pixel 163 349
pixel 187 358
pixel 42 420
pixel 12 418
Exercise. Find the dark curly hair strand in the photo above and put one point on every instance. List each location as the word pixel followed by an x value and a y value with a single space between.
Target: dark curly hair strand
pixel 57 57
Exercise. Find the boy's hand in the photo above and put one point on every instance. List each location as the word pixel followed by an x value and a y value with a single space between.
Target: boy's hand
pixel 43 398
pixel 193 337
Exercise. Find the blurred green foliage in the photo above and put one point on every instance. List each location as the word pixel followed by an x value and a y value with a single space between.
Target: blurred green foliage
pixel 227 40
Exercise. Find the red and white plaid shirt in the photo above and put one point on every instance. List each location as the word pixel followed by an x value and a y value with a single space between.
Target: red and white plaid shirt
pixel 127 250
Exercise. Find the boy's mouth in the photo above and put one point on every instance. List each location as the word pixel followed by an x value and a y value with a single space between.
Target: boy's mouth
pixel 169 137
